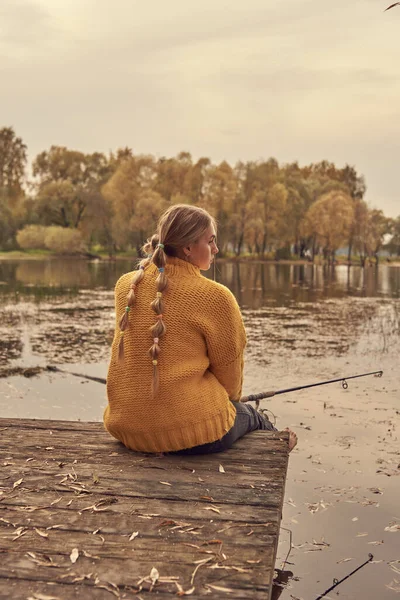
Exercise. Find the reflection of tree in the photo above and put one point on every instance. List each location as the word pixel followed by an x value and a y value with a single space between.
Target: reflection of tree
pixel 54 273
pixel 238 283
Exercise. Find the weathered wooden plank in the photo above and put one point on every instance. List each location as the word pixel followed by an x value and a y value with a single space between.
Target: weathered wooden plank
pixel 50 424
pixel 184 549
pixel 98 438
pixel 113 521
pixel 94 477
pixel 61 449
pixel 31 589
pixel 32 503
pixel 97 493
pixel 191 491
pixel 128 571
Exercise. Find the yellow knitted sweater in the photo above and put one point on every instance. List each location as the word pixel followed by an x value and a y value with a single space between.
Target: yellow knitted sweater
pixel 200 363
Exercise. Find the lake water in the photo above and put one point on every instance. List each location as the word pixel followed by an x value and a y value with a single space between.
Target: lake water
pixel 305 324
pixel 252 283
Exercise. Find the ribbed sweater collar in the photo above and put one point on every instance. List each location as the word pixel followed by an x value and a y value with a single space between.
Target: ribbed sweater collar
pixel 180 268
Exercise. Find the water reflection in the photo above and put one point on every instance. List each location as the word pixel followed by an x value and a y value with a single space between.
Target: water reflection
pixel 258 284
pixel 254 284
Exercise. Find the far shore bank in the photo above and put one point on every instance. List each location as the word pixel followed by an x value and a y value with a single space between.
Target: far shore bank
pixel 20 255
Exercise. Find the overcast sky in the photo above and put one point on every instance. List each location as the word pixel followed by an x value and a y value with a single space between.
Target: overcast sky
pixel 298 80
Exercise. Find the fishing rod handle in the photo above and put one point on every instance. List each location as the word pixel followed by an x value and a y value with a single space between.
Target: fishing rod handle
pixel 257 397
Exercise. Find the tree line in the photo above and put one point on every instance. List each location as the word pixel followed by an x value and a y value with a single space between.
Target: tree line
pixel 78 202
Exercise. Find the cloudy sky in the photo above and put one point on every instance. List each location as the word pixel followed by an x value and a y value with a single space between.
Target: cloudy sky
pixel 298 80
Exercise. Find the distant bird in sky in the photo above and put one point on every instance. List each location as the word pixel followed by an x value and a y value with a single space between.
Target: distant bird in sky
pixel 392 5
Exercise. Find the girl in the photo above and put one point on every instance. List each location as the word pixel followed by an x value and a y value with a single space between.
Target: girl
pixel 176 370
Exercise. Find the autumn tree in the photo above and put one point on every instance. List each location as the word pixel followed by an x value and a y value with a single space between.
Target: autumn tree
pixel 13 160
pixel 328 221
pixel 195 179
pixel 220 191
pixel 173 175
pixel 394 243
pixel 131 183
pixel 67 182
pixel 372 229
pixel 266 206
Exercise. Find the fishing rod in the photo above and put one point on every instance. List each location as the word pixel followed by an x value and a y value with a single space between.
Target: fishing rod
pixel 337 582
pixel 257 397
pixel 253 397
pixel 55 369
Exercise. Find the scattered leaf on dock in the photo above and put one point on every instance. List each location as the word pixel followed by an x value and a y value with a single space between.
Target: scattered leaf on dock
pixel 213 508
pixel 41 533
pixel 74 555
pixel 220 588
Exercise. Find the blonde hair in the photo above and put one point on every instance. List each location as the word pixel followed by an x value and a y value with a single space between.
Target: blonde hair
pixel 179 226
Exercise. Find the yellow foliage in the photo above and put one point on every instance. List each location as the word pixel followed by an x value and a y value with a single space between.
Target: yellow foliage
pixel 329 220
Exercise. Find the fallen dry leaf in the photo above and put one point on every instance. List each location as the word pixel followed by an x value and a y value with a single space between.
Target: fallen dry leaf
pixel 219 588
pixel 17 483
pixel 343 560
pixel 134 535
pixel 394 585
pixel 213 508
pixel 221 469
pixel 19 533
pixel 182 592
pixel 42 560
pixel 41 533
pixel 74 555
pixel 107 585
pixel 253 562
pixel 165 483
pixel 393 528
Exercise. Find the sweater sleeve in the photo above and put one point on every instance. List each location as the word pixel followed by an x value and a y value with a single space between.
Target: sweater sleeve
pixel 226 341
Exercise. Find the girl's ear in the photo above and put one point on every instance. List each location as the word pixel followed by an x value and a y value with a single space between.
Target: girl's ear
pixel 187 250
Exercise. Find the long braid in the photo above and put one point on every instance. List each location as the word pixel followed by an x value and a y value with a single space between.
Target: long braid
pixel 159 328
pixel 180 226
pixel 130 301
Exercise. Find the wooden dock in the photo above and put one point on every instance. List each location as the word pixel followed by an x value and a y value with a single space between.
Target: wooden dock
pixel 83 517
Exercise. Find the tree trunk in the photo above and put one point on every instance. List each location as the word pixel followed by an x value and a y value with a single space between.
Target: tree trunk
pixel 239 245
pixel 350 249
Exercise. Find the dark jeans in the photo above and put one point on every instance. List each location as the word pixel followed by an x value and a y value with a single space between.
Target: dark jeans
pixel 247 419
